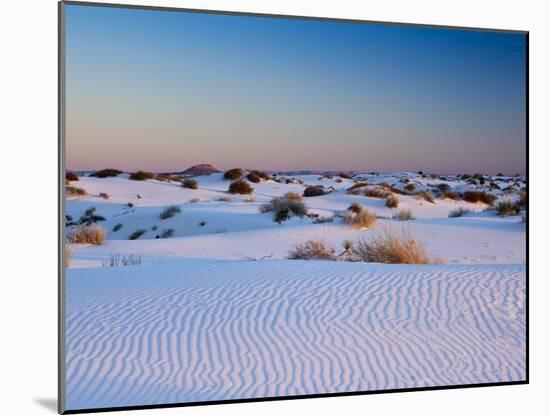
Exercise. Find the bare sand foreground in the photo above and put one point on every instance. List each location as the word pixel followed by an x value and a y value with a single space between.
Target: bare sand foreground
pixel 200 317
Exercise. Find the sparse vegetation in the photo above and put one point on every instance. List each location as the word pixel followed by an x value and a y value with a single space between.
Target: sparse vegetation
pixel 312 191
pixel 283 208
pixel 377 192
pixel 117 260
pixel 137 234
pixel 240 187
pixel 507 208
pixel 392 202
pixel 426 195
pixel 169 212
pixel 104 195
pixel 102 174
pixel 403 214
pixel 450 195
pixel 313 249
pixel 88 234
pixel 392 247
pixel 233 174
pixel 166 233
pixel 359 218
pixel 475 196
pixel 75 191
pixel 292 196
pixel 256 176
pixel 190 184
pixel 71 177
pixel 117 227
pixel 458 212
pixel 141 175
pixel 410 187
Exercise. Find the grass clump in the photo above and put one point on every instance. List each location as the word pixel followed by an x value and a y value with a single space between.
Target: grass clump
pixel 403 214
pixel 190 184
pixel 71 177
pixel 508 208
pixel 141 175
pixel 392 247
pixel 137 234
pixel 410 187
pixel 283 208
pixel 458 212
pixel 312 191
pixel 94 235
pixel 312 249
pixel 475 196
pixel 74 191
pixel 426 195
pixel 102 174
pixel 256 176
pixel 117 260
pixel 292 196
pixel 240 187
pixel 169 212
pixel 233 174
pixel 358 217
pixel 104 196
pixel 377 192
pixel 392 202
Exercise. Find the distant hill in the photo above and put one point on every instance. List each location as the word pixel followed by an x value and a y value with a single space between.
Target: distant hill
pixel 200 170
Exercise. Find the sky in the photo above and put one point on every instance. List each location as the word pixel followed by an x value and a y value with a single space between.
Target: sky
pixel 162 91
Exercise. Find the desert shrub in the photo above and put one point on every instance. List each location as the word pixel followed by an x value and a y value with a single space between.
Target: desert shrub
pixel 410 187
pixel 363 219
pixel 102 174
pixel 75 191
pixel 426 195
pixel 313 249
pixel 508 208
pixel 136 234
pixel 281 215
pixel 450 195
pixel 104 196
pixel 141 175
pixel 169 212
pixel 194 200
pixel 443 187
pixel 355 207
pixel 458 212
pixel 312 191
pixel 253 177
pixel 117 227
pixel 392 202
pixel 403 214
pixel 249 200
pixel 224 199
pixel 377 192
pixel 117 260
pixel 474 196
pixel 71 177
pixel 190 184
pixel 392 247
pixel 94 235
pixel 240 187
pixel 67 255
pixel 233 174
pixel 522 201
pixel 166 233
pixel 283 208
pixel 292 196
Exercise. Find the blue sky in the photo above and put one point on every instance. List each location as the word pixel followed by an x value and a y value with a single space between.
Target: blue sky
pixel 161 91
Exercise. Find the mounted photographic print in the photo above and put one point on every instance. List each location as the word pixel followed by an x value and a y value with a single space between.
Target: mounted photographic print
pixel 260 207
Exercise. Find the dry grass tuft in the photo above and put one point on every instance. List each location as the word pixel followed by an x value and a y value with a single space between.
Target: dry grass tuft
pixel 458 212
pixel 359 217
pixel 426 195
pixel 104 195
pixel 190 184
pixel 403 214
pixel 74 191
pixel 392 202
pixel 240 187
pixel 313 249
pixel 71 177
pixel 392 247
pixel 508 208
pixel 94 235
pixel 312 191
pixel 475 196
pixel 377 192
pixel 292 196
pixel 233 174
pixel 141 175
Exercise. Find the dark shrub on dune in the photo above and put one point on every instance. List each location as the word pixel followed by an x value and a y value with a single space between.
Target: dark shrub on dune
pixel 410 187
pixel 233 174
pixel 426 195
pixel 474 196
pixel 136 234
pixel 74 191
pixel 169 212
pixel 190 184
pixel 507 208
pixel 392 202
pixel 253 177
pixel 71 177
pixel 141 175
pixel 312 191
pixel 240 187
pixel 377 192
pixel 106 173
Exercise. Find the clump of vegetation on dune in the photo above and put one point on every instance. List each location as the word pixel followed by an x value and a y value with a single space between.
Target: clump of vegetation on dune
pixel 359 217
pixel 403 214
pixel 104 195
pixel 102 174
pixel 410 187
pixel 292 196
pixel 169 212
pixel 355 188
pixel 141 175
pixel 377 192
pixel 190 184
pixel 256 176
pixel 74 191
pixel 426 195
pixel 71 177
pixel 507 208
pixel 233 174
pixel 475 196
pixel 392 202
pixel 137 234
pixel 312 191
pixel 313 249
pixel 240 187
pixel 117 260
pixel 392 247
pixel 458 212
pixel 88 234
pixel 117 227
pixel 284 207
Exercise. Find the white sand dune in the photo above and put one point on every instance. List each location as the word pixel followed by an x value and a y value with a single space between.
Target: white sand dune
pixel 195 330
